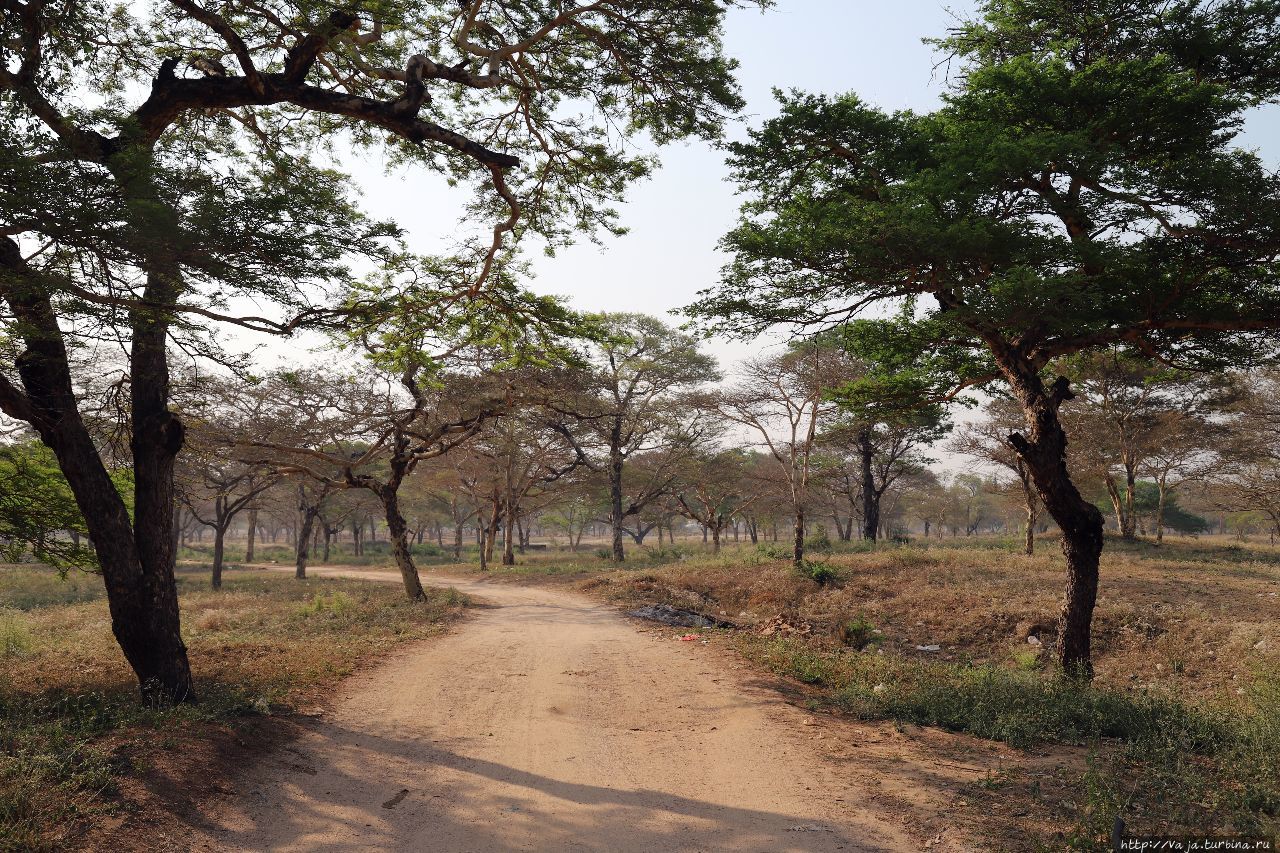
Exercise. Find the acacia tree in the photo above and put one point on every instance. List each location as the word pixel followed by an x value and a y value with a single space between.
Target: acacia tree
pixel 371 432
pixel 886 443
pixel 38 512
pixel 191 180
pixel 1077 189
pixel 1126 410
pixel 1246 477
pixel 215 489
pixel 625 403
pixel 785 400
pixel 711 489
pixel 525 458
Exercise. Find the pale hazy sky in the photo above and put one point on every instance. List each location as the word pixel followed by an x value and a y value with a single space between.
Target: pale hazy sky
pixel 675 219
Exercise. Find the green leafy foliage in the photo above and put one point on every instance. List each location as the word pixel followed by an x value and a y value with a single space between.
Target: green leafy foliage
pixel 38 513
pixel 1079 187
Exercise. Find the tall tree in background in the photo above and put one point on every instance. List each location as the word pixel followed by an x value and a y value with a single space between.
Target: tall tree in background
pixel 712 489
pixel 987 441
pixel 1247 474
pixel 886 442
pixel 1079 188
pixel 190 181
pixel 785 401
pixel 626 403
pixel 1126 408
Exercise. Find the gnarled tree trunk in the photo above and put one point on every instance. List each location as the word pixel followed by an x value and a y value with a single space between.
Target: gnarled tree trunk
pixel 870 500
pixel 252 534
pixel 616 516
pixel 1044 451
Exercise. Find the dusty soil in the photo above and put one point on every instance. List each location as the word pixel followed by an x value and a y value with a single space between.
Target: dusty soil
pixel 550 722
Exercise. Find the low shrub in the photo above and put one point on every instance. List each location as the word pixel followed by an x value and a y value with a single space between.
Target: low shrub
pixel 820 573
pixel 859 633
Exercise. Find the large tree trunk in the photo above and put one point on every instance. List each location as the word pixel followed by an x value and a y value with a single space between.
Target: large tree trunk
pixel 1032 508
pixel 870 500
pixel 508 543
pixel 1044 450
pixel 252 535
pixel 457 542
pixel 491 533
pixel 615 507
pixel 797 553
pixel 399 534
pixel 304 544
pixel 221 522
pixel 1160 503
pixel 715 538
pixel 1029 537
pixel 1130 500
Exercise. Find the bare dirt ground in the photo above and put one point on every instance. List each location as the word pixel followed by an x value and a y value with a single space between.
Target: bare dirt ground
pixel 549 722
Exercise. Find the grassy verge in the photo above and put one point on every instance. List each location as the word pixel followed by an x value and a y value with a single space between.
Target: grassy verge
pixel 71 727
pixel 1180 732
pixel 1165 765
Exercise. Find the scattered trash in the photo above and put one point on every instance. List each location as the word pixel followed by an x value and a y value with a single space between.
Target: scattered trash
pixel 879 688
pixel 928 648
pixel 809 827
pixel 779 625
pixel 1033 640
pixel 689 638
pixel 668 615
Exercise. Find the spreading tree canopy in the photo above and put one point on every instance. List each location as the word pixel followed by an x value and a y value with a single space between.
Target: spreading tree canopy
pixel 1079 187
pixel 165 168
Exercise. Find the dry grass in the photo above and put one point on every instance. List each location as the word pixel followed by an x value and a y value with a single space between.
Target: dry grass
pixel 1195 619
pixel 1181 728
pixel 71 728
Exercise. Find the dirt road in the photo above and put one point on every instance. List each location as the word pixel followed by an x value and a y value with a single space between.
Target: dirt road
pixel 549 722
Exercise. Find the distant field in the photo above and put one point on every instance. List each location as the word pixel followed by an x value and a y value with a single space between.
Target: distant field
pixel 73 738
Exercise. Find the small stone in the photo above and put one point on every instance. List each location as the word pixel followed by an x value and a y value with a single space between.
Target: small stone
pixel 1033 640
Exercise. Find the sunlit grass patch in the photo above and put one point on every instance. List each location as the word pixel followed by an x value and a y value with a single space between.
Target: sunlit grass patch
pixel 264 644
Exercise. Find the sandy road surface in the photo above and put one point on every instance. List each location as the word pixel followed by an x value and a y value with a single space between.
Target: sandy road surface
pixel 548 722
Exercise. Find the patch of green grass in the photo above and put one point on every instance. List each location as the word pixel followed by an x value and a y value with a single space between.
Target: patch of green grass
pixel 32 587
pixel 15 639
pixel 1027 660
pixel 859 633
pixel 334 604
pixel 820 573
